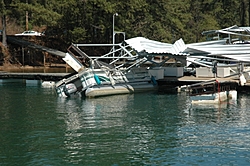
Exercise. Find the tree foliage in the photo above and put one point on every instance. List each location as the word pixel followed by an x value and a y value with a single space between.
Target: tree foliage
pixel 90 21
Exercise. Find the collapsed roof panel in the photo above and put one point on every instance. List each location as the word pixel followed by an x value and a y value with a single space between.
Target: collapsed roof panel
pixel 219 48
pixel 141 44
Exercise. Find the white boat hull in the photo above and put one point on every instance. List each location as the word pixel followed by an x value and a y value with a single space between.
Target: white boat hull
pixel 98 82
pixel 214 98
pixel 118 89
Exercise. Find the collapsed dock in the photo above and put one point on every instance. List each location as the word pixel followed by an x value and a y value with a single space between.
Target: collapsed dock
pixel 224 60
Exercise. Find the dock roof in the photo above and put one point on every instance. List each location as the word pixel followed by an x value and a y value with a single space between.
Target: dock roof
pixel 141 44
pixel 238 51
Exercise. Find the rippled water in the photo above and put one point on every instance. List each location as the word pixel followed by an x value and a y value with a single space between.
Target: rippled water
pixel 38 128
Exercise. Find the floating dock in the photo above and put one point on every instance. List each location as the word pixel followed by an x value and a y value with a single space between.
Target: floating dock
pixel 164 84
pixel 34 76
pixel 168 84
pixel 174 84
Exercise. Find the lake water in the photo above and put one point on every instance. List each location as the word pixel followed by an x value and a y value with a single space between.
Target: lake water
pixel 39 128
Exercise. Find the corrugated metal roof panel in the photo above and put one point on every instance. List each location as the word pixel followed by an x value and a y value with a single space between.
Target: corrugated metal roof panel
pixel 239 52
pixel 150 46
pixel 235 49
pixel 230 30
pixel 243 58
pixel 178 47
pixel 142 44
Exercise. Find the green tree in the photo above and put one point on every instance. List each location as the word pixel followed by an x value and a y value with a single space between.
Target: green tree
pixel 38 13
pixel 90 21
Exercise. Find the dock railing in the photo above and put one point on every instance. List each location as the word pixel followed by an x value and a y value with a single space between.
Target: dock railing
pixel 208 88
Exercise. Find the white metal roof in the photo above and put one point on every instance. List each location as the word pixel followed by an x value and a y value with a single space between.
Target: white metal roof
pixel 234 30
pixel 218 48
pixel 237 52
pixel 231 49
pixel 150 46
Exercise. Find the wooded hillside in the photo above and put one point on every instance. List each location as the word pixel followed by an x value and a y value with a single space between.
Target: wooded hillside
pixel 91 21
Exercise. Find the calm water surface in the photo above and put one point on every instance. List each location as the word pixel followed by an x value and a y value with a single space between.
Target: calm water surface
pixel 38 128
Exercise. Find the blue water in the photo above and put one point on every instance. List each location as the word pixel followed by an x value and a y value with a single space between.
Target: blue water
pixel 39 128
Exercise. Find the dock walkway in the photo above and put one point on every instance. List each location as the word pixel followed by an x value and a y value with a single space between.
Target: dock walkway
pixel 178 81
pixel 25 43
pixel 187 80
pixel 168 84
pixel 34 76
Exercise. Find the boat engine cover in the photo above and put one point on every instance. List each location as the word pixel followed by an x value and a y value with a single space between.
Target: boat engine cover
pixel 70 89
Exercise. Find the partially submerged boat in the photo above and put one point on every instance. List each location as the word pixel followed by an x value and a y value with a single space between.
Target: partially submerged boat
pixel 212 92
pixel 131 66
pixel 92 82
pixel 97 78
pixel 124 71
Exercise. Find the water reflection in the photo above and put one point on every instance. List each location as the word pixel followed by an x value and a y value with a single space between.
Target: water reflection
pixel 91 126
pixel 137 129
pixel 146 129
pixel 212 131
pixel 224 112
pixel 93 113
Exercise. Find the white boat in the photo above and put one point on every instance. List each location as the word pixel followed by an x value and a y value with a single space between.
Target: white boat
pixel 211 93
pixel 103 82
pixel 119 89
pixel 212 98
pixel 102 79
